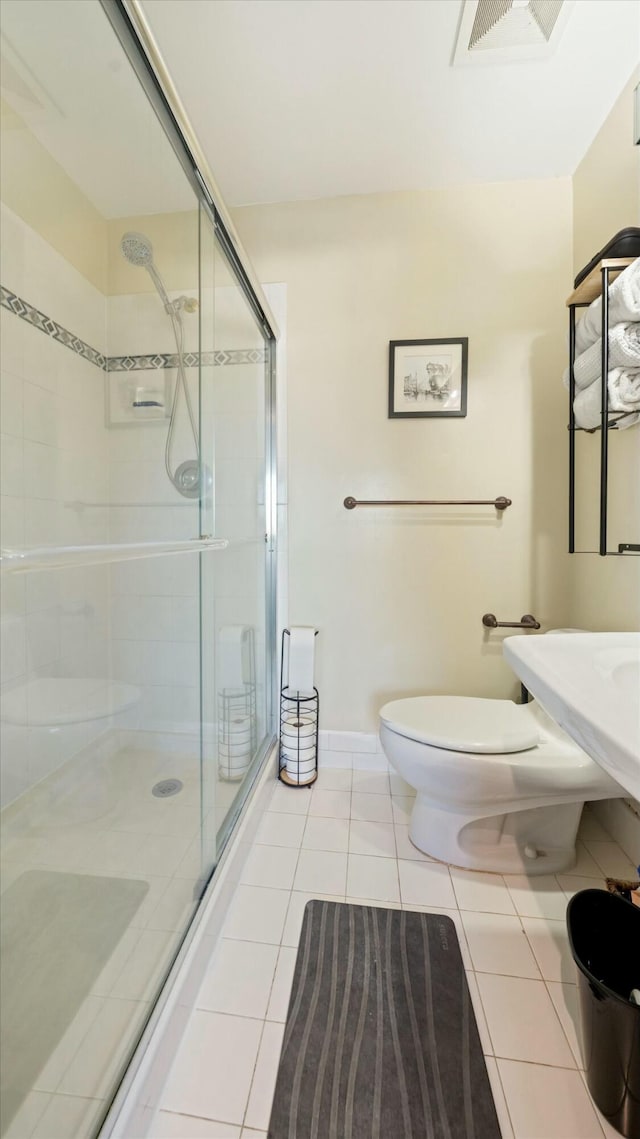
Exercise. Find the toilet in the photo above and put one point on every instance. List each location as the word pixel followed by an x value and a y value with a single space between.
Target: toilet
pixel 499 786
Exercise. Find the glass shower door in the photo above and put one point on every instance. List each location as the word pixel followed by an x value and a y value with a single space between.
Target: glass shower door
pixel 236 632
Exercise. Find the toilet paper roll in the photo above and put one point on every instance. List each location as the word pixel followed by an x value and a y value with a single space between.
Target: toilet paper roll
pixel 242 740
pixel 239 723
pixel 233 749
pixel 300 774
pixel 234 774
pixel 301 657
pixel 234 765
pixel 233 653
pixel 298 727
pixel 304 754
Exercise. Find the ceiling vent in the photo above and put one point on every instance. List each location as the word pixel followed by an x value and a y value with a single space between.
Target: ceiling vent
pixel 505 31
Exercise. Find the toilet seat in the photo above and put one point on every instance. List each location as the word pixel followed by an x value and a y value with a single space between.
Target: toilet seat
pixel 464 723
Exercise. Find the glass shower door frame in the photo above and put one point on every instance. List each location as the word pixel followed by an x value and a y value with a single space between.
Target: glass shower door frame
pixel 129 23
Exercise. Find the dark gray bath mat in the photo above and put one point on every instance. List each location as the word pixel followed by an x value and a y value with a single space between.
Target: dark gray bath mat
pixel 58 932
pixel 381 1040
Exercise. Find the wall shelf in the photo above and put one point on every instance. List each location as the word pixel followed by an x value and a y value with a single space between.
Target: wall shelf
pixel 591 288
pixel 594 285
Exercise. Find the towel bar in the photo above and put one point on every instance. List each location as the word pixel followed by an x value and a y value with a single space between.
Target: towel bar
pixel 490 621
pixel 500 503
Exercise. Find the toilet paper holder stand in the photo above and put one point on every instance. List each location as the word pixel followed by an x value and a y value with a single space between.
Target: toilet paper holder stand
pixel 298 738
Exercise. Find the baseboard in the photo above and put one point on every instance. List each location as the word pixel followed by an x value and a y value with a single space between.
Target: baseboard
pixel 621 818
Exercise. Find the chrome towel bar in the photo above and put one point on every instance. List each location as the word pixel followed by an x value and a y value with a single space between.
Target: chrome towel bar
pixel 500 503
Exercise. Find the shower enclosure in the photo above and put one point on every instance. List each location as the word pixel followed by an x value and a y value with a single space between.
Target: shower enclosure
pixel 138 548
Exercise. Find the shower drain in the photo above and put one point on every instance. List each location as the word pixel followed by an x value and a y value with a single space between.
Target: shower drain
pixel 166 787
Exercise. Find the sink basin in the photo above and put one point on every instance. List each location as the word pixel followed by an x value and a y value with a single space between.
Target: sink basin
pixel 589 683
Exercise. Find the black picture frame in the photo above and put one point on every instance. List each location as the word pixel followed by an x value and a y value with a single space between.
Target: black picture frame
pixel 436 377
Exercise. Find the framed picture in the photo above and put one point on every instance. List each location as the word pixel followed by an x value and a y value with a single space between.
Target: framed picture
pixel 428 378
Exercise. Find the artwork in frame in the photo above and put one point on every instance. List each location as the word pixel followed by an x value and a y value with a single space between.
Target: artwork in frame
pixel 428 378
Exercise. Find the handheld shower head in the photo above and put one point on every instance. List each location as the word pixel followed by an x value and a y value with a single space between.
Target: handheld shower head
pixel 137 249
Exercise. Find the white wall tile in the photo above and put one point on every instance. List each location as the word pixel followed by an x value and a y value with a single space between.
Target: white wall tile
pixel 11 404
pixel 40 415
pixel 12 465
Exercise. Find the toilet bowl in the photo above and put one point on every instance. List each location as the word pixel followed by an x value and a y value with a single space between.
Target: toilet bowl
pixel 499 786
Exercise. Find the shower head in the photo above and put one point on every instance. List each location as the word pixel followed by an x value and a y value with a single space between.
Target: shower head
pixel 137 249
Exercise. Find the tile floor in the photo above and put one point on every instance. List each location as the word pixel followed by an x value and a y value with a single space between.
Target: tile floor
pixel 109 825
pixel 347 840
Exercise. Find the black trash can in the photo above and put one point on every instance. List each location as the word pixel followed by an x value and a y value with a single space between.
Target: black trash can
pixel 604 933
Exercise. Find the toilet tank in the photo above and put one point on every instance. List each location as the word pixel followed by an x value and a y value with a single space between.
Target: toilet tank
pixel 550 631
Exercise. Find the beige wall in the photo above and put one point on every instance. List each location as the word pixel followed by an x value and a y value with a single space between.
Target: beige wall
pixel 398 595
pixel 605 592
pixel 40 192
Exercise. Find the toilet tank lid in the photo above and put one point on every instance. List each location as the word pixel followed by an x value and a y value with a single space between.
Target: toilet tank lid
pixel 550 632
pixel 463 723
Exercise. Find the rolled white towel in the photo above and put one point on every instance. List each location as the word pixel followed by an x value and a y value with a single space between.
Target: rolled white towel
pixel 624 352
pixel 624 395
pixel 624 305
pixel 624 389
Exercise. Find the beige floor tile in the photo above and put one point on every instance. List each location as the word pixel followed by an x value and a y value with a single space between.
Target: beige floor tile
pixel 264 1078
pixel 497 944
pixel 257 914
pixel 239 979
pixel 169 1125
pixel 522 1021
pixel 550 943
pixel 213 1070
pixel 547 1103
pixel 326 834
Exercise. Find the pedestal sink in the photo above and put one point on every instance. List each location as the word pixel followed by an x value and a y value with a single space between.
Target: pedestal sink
pixel 589 683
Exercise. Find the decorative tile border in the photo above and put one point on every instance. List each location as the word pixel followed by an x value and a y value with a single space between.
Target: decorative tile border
pixel 158 360
pixel 216 359
pixel 25 311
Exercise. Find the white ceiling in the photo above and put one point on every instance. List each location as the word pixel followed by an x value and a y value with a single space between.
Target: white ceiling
pixel 295 99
